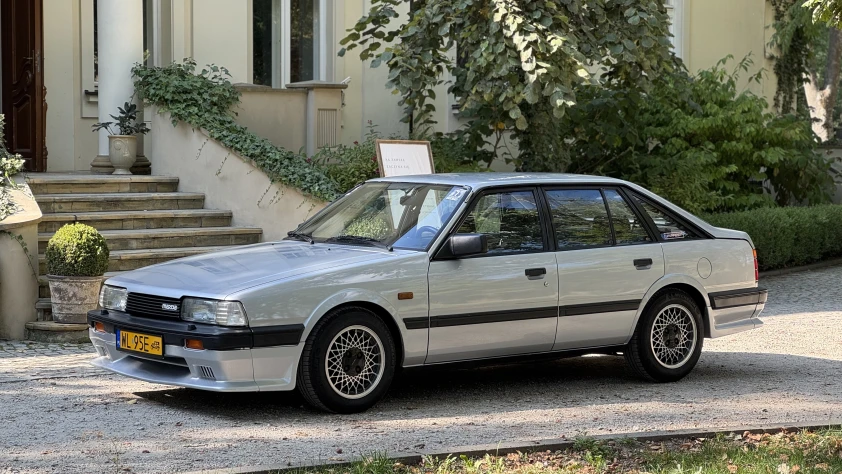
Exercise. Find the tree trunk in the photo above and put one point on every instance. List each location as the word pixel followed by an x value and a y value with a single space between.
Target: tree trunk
pixel 822 97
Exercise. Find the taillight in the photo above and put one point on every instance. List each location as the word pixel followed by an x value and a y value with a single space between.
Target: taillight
pixel 756 268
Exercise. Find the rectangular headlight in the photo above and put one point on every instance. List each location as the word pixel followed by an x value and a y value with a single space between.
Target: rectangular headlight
pixel 111 297
pixel 222 313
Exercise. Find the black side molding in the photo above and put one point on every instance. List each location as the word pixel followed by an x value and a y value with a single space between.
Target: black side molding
pixel 741 297
pixel 609 307
pixel 519 314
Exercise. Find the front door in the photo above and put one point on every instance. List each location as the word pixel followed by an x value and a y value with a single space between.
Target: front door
pixel 501 303
pixel 607 261
pixel 23 81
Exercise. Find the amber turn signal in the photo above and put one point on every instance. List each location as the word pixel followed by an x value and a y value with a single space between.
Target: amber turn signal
pixel 194 344
pixel 405 296
pixel 99 327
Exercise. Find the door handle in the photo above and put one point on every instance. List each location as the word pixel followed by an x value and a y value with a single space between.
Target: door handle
pixel 536 272
pixel 643 262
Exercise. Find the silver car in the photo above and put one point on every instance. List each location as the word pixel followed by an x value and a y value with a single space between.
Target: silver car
pixel 436 269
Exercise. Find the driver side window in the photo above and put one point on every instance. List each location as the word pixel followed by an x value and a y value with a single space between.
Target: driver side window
pixel 509 219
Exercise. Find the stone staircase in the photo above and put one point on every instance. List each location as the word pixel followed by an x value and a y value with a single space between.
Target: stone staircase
pixel 144 219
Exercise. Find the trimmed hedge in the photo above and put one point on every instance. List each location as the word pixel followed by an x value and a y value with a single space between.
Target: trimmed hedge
pixel 788 236
pixel 77 250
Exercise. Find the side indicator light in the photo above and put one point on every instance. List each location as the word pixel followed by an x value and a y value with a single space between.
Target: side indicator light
pixel 194 344
pixel 756 267
pixel 99 327
pixel 406 295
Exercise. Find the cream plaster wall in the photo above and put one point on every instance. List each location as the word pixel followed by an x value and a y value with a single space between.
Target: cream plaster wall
pixel 70 143
pixel 714 29
pixel 222 35
pixel 18 282
pixel 279 115
pixel 229 181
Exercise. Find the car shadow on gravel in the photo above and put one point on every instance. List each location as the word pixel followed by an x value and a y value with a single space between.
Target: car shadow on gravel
pixel 583 381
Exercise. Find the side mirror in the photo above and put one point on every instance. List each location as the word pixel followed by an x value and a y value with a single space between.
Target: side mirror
pixel 464 245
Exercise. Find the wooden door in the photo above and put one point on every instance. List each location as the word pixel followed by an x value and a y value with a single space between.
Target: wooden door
pixel 21 40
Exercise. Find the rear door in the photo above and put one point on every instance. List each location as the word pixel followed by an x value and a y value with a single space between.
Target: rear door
pixel 504 302
pixel 607 260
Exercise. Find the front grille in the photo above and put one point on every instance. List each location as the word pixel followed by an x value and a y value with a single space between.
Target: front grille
pixel 152 306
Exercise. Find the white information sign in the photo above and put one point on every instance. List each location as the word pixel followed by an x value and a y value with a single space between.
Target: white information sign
pixel 404 157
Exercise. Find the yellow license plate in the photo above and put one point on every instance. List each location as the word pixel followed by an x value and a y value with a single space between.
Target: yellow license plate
pixel 137 342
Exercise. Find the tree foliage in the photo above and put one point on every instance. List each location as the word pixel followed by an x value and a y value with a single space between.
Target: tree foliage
pixel 518 64
pixel 828 11
pixel 699 141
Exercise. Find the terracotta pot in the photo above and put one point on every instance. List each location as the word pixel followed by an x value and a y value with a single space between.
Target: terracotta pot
pixel 73 297
pixel 122 151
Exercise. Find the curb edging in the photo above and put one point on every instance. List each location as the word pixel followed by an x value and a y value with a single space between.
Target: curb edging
pixel 803 268
pixel 554 444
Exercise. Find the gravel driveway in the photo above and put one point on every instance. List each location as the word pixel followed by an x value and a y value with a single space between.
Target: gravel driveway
pixel 788 371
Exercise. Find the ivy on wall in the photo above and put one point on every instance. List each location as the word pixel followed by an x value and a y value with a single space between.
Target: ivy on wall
pixel 794 33
pixel 204 101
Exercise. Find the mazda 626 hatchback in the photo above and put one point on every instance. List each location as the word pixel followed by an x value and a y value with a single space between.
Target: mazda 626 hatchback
pixel 435 269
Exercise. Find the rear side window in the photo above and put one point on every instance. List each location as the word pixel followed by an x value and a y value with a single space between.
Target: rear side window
pixel 580 218
pixel 628 229
pixel 668 227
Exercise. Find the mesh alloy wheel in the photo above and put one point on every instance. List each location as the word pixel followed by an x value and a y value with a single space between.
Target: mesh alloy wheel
pixel 673 336
pixel 354 362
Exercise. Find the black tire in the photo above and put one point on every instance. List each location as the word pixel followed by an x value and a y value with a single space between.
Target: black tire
pixel 313 381
pixel 641 353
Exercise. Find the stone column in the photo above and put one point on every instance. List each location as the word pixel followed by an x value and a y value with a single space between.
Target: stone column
pixel 120 46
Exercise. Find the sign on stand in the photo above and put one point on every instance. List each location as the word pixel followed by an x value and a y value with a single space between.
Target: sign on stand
pixel 404 157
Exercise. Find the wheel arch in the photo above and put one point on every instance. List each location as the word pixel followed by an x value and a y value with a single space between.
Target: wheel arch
pixel 370 301
pixel 676 282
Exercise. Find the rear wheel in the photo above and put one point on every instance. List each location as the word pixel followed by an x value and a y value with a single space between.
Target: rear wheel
pixel 668 340
pixel 348 361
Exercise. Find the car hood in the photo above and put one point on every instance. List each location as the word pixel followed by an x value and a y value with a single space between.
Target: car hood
pixel 218 274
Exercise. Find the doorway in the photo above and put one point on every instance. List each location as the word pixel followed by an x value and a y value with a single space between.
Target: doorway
pixel 24 95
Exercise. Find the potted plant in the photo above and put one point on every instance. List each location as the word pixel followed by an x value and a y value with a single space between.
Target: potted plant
pixel 122 146
pixel 77 258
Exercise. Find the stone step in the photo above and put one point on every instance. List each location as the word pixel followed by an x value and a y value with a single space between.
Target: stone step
pixel 51 331
pixel 171 238
pixel 44 309
pixel 55 203
pixel 44 292
pixel 116 220
pixel 124 260
pixel 86 184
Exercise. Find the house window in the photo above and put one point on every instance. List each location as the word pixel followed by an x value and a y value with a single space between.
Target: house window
pixel 675 11
pixel 290 40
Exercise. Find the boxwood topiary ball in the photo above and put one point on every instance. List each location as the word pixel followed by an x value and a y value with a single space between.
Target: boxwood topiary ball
pixel 77 250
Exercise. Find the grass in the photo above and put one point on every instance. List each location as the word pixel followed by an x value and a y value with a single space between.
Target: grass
pixel 781 453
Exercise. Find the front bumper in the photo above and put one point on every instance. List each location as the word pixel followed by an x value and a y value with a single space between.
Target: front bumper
pixel 234 359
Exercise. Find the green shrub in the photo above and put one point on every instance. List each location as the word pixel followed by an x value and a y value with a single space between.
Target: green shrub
pixel 351 165
pixel 701 141
pixel 788 236
pixel 77 250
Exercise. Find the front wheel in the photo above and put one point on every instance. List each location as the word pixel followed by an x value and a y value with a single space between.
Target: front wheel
pixel 667 343
pixel 348 362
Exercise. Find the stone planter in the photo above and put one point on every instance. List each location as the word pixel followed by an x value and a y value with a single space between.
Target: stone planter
pixel 73 297
pixel 122 151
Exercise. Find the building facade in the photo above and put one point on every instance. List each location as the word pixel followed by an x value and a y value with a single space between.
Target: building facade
pixel 65 62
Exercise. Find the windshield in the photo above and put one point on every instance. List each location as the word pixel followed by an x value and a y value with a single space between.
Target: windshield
pixel 401 215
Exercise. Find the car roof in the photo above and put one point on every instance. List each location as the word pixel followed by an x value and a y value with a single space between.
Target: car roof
pixel 483 180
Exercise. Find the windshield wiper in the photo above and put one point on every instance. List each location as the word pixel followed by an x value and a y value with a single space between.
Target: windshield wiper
pixel 298 235
pixel 361 240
